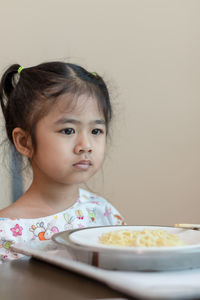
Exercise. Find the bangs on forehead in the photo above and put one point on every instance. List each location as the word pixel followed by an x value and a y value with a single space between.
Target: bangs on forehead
pixel 79 96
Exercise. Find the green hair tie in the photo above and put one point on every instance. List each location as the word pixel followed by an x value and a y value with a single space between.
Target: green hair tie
pixel 94 74
pixel 20 69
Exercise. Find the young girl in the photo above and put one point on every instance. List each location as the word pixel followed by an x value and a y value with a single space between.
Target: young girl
pixel 57 115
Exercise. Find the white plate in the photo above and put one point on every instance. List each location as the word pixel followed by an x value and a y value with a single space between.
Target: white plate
pixel 83 244
pixel 89 237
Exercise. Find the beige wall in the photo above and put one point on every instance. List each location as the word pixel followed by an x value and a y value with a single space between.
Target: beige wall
pixel 149 52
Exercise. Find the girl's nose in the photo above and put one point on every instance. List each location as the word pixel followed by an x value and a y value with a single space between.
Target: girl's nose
pixel 83 146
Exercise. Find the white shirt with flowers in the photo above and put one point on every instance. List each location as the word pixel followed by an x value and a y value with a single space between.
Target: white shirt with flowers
pixel 89 210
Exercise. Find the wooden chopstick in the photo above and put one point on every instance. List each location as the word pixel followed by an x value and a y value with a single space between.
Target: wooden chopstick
pixel 188 226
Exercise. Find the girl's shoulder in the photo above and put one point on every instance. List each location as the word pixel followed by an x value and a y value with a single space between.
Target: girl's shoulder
pixel 9 212
pixel 16 211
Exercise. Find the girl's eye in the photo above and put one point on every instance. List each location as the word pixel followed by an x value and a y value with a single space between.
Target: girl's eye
pixel 68 131
pixel 97 131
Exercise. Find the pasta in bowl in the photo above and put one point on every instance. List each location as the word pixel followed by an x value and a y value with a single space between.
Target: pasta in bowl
pixel 143 238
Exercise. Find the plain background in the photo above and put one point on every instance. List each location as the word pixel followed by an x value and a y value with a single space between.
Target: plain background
pixel 149 54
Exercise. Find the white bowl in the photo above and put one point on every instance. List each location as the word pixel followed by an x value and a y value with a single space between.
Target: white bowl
pixel 84 246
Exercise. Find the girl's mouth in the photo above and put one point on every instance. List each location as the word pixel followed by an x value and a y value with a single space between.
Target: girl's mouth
pixel 83 164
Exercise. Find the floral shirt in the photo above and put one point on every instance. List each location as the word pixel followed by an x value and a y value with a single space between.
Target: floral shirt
pixel 89 210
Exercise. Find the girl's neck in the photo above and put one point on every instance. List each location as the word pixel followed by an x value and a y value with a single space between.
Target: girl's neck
pixel 44 199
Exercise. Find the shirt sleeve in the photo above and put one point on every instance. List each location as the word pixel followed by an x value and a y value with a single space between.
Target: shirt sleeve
pixel 113 215
pixel 109 214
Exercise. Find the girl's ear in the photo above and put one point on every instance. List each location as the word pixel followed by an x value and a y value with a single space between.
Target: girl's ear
pixel 22 141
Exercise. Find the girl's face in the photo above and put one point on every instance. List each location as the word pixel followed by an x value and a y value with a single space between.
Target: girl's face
pixel 70 141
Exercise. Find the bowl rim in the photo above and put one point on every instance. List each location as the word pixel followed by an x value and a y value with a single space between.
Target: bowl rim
pixel 65 235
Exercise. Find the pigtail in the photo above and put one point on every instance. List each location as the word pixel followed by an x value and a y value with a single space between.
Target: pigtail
pixel 7 86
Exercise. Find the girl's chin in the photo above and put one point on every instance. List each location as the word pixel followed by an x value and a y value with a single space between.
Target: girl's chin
pixel 80 180
pixel 78 177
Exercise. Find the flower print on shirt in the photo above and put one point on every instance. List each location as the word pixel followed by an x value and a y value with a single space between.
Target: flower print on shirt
pixel 43 232
pixel 113 216
pixel 91 213
pixel 107 212
pixel 69 220
pixel 120 220
pixel 5 244
pixel 85 197
pixel 95 202
pixel 50 231
pixel 79 214
pixel 17 230
pixel 38 231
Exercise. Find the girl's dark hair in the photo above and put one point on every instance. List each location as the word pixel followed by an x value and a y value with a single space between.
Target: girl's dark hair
pixel 26 97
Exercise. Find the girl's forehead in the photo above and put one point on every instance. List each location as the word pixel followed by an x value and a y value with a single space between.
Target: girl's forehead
pixel 83 104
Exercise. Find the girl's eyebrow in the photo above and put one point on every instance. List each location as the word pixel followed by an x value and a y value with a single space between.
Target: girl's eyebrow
pixel 74 121
pixel 101 122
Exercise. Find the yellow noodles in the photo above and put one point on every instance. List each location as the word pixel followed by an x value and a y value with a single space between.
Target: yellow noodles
pixel 144 238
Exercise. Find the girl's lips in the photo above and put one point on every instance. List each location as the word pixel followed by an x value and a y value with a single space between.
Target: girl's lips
pixel 83 164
